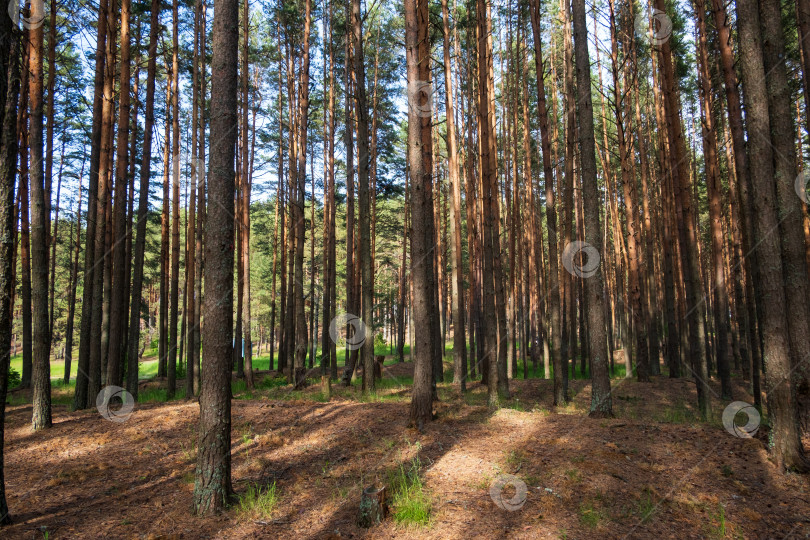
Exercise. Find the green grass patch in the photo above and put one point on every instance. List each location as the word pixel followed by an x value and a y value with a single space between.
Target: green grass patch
pixel 717 529
pixel 411 505
pixel 272 382
pixel 147 369
pixel 678 413
pixel 590 515
pixel 261 362
pixel 258 502
pixel 647 505
pixel 155 395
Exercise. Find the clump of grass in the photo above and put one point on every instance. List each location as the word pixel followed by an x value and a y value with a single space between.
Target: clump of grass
pixel 239 390
pixel 410 502
pixel 475 400
pixel 272 382
pixel 380 397
pixel 246 433
pixel 647 505
pixel 679 413
pixel 574 475
pixel 190 451
pixel 589 515
pixel 320 397
pixel 515 405
pixel 515 459
pixel 718 530
pixel 258 502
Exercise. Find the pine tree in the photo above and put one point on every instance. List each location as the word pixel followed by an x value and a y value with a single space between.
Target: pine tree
pixel 212 485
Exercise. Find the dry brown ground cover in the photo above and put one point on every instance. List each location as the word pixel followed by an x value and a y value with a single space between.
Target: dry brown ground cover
pixel 652 472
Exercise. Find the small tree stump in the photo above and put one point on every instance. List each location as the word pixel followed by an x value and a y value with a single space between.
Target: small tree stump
pixel 373 506
pixel 326 387
pixel 379 360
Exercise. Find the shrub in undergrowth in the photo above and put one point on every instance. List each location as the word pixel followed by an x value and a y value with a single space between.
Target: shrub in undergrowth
pixel 13 378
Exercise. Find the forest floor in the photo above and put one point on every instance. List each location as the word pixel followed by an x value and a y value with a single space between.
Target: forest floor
pixel 654 471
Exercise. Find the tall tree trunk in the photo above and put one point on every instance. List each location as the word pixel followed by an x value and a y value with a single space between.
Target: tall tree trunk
pixel 201 215
pixel 238 342
pixel 245 210
pixel 313 269
pixel 597 346
pixel 718 281
pixel 570 109
pixel 175 277
pixel 626 149
pixel 9 90
pixel 787 446
pixel 108 233
pixel 538 295
pixel 163 334
pixel 80 398
pixel 489 184
pixel 420 157
pixel 673 323
pixel 55 235
pixel 25 235
pixel 72 285
pixel 364 191
pixel 789 206
pixel 300 337
pixel 115 362
pixel 278 215
pixel 457 300
pixel 281 200
pixel 212 486
pixel 49 128
pixel 328 361
pixel 41 373
pixel 403 274
pixel 687 235
pixel 143 205
pixel 740 201
pixel 133 150
pixel 350 356
pixel 191 231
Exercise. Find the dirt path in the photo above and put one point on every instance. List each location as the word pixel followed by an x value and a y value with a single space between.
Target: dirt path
pixel 649 473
